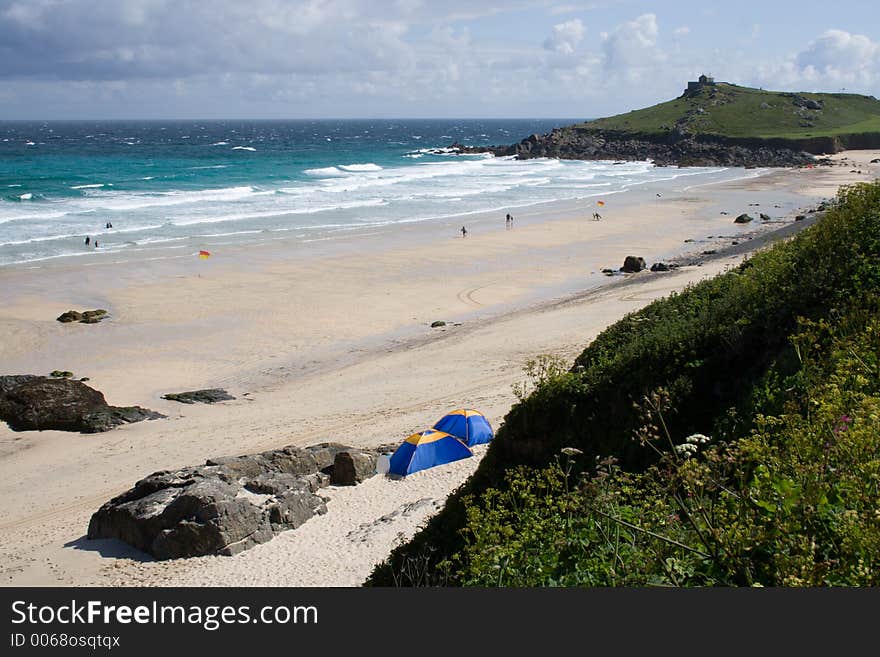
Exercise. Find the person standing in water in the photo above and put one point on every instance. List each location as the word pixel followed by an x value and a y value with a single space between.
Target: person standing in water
pixel 87 240
pixel 463 231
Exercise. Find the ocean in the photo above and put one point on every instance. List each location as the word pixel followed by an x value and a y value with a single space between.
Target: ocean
pixel 193 185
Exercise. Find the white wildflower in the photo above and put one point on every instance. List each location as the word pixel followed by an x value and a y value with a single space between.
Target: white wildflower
pixel 686 450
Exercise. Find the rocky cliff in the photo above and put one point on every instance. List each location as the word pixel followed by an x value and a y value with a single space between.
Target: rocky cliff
pixel 680 149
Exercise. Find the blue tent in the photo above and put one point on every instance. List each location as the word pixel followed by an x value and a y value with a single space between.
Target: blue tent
pixel 469 426
pixel 425 450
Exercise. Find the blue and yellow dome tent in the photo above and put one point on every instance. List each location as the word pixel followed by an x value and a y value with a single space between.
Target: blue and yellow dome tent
pixel 425 450
pixel 469 426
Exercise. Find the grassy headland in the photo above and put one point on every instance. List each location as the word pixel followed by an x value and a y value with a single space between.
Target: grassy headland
pixel 717 124
pixel 729 110
pixel 727 435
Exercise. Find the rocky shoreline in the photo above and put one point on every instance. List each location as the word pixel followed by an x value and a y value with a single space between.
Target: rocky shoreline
pixel 675 149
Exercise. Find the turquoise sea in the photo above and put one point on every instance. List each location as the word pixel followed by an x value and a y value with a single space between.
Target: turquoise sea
pixel 188 185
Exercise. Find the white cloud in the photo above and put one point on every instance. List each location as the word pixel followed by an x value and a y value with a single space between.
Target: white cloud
pixel 633 45
pixel 840 54
pixel 566 36
pixel 835 60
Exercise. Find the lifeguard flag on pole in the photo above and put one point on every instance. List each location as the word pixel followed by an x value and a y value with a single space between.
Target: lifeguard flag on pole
pixel 204 255
pixel 600 202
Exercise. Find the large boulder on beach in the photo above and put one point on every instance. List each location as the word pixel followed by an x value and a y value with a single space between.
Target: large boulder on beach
pixel 229 504
pixel 743 219
pixel 352 467
pixel 206 396
pixel 632 264
pixel 37 403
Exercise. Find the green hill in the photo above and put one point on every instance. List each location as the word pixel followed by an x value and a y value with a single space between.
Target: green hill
pixel 727 435
pixel 715 124
pixel 728 110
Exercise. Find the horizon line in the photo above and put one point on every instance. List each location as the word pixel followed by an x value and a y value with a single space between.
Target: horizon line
pixel 330 118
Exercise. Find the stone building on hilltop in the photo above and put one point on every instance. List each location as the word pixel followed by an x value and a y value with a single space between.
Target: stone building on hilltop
pixel 695 87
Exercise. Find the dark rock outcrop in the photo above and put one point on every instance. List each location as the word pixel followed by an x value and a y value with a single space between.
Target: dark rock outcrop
pixel 207 396
pixel 764 216
pixel 677 147
pixel 662 266
pixel 438 323
pixel 807 103
pixel 352 467
pixel 229 504
pixel 85 317
pixel 29 402
pixel 632 264
pixel 743 219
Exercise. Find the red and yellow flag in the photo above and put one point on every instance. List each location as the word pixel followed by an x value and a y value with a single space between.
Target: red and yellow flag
pixel 204 255
pixel 600 202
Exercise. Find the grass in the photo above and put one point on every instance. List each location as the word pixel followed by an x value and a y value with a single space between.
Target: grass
pixel 733 111
pixel 599 476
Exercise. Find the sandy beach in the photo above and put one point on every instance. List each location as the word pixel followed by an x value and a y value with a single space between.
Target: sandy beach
pixel 334 343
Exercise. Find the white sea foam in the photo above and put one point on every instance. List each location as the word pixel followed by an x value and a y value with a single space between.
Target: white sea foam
pixel 33 217
pixel 26 196
pixel 356 196
pixel 324 172
pixel 220 143
pixel 369 166
pixel 120 201
pixel 244 148
pixel 279 212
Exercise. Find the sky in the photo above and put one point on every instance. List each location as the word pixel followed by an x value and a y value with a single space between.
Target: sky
pixel 204 59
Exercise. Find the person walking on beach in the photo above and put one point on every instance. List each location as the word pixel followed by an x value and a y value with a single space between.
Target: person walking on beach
pixel 596 216
pixel 463 231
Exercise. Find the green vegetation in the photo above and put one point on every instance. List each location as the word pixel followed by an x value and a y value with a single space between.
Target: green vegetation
pixel 728 435
pixel 61 374
pixel 729 110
